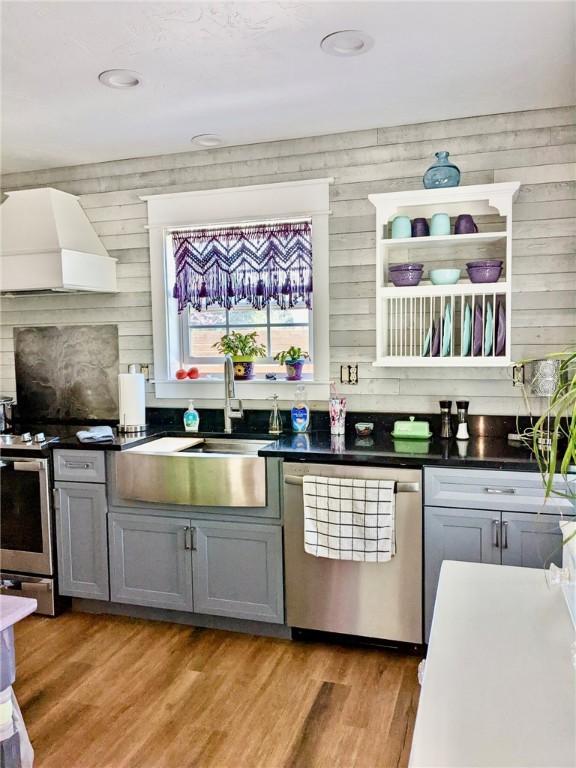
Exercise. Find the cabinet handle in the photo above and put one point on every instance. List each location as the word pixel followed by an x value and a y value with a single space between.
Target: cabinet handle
pixel 193 539
pixel 508 491
pixel 56 498
pixel 76 465
pixel 496 533
pixel 505 535
pixel 187 538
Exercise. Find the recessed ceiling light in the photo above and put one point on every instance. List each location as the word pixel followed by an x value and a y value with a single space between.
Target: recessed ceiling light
pixel 347 42
pixel 120 78
pixel 206 140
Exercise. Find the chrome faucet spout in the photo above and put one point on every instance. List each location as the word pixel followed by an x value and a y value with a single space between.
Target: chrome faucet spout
pixel 232 404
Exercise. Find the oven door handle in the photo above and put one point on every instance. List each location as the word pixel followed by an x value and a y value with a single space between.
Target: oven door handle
pixel 29 466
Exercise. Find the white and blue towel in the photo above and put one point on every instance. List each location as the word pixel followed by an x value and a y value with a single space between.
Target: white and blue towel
pixel 95 435
pixel 349 519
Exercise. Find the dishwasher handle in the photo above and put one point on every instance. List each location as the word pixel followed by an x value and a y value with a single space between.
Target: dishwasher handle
pixel 399 487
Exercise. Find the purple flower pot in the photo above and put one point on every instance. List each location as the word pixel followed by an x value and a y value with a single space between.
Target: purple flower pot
pixel 243 370
pixel 294 369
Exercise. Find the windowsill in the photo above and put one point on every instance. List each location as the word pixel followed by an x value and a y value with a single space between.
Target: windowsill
pixel 257 389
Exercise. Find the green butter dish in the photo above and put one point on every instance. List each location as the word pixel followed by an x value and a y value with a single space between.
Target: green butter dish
pixel 413 430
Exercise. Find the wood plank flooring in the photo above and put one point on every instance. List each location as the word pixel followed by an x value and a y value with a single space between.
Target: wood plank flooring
pixel 112 692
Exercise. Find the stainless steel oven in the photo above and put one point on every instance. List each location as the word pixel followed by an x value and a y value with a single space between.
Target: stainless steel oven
pixel 26 549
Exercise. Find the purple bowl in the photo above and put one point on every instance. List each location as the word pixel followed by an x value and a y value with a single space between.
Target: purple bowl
pixel 404 277
pixel 489 274
pixel 485 263
pixel 406 267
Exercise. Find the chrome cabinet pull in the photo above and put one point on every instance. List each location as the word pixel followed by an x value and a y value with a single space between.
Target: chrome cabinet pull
pixel 508 491
pixel 76 465
pixel 496 533
pixel 56 497
pixel 187 538
pixel 505 535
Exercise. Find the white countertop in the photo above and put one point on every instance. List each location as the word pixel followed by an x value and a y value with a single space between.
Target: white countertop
pixel 13 609
pixel 499 686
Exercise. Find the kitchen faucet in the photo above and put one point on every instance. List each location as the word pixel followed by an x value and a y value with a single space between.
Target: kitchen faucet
pixel 232 405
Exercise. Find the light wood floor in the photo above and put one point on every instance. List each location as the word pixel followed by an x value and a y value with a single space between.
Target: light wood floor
pixel 111 692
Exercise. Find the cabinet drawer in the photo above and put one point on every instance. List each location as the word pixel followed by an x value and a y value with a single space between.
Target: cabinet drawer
pixel 492 489
pixel 80 466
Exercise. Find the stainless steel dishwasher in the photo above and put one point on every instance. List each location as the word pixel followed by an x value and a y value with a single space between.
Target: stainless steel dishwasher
pixel 376 600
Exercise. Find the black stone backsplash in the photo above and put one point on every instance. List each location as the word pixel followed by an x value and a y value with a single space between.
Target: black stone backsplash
pixel 256 421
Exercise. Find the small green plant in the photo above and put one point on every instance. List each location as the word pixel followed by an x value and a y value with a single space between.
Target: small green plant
pixel 291 354
pixel 239 344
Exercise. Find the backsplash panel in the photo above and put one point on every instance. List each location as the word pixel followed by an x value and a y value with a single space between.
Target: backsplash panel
pixel 67 372
pixel 537 148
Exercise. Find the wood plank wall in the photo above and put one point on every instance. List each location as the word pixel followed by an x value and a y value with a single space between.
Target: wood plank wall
pixel 537 148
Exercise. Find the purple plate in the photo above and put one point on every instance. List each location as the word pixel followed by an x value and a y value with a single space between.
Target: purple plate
pixel 436 339
pixel 478 331
pixel 500 329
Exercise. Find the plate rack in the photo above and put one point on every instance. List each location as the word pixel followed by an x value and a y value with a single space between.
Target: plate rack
pixel 405 315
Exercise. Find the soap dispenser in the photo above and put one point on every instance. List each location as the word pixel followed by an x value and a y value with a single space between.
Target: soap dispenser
pixel 275 421
pixel 191 418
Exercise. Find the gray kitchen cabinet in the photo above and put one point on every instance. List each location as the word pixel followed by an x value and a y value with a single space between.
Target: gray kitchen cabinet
pixel 531 541
pixel 237 570
pixel 468 535
pixel 150 562
pixel 82 540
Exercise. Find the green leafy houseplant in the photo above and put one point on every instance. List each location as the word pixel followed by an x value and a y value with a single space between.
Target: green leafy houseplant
pixel 293 358
pixel 554 432
pixel 241 346
pixel 291 355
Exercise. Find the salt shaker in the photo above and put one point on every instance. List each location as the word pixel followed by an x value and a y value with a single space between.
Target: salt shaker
pixel 462 407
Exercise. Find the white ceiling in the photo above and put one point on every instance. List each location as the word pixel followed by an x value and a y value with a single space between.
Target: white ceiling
pixel 254 71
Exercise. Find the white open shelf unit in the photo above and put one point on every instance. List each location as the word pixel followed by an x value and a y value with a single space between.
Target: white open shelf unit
pixel 404 315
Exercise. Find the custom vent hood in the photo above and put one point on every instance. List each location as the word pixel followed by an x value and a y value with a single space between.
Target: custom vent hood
pixel 48 244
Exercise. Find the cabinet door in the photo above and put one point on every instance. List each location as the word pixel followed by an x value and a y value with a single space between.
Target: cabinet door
pixel 82 542
pixel 531 541
pixel 238 571
pixel 468 535
pixel 150 561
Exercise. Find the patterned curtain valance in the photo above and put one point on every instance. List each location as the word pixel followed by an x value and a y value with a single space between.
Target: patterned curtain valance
pixel 259 263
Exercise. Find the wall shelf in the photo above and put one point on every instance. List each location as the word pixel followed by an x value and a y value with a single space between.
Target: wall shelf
pixel 405 316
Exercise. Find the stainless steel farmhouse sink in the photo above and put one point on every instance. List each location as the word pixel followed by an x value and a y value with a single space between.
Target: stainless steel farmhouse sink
pixel 209 472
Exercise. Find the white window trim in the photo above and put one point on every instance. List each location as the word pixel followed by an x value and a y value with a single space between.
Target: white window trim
pixel 294 199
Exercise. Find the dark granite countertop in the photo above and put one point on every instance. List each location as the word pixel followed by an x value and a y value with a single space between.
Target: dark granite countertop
pixel 493 453
pixel 320 446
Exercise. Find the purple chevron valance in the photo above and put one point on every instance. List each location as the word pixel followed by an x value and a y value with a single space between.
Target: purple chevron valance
pixel 259 263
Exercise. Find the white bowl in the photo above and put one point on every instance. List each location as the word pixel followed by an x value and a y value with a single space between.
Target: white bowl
pixel 444 276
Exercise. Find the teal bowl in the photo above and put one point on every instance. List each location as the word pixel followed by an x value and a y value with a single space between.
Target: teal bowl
pixel 444 276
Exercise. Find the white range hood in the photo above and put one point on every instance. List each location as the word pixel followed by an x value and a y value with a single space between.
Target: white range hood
pixel 48 244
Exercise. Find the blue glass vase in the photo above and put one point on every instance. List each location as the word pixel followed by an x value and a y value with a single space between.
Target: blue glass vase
pixel 442 174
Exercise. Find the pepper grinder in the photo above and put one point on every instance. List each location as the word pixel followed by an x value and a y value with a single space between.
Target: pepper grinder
pixel 446 414
pixel 462 406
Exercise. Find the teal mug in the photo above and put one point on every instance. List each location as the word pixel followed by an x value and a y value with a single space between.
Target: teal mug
pixel 401 227
pixel 440 224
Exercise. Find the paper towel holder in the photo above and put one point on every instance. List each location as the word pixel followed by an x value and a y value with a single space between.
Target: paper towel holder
pixel 123 427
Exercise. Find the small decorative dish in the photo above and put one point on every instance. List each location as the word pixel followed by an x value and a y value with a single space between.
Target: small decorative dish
pixel 364 428
pixel 444 276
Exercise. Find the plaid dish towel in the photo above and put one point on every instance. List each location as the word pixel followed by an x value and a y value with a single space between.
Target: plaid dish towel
pixel 349 519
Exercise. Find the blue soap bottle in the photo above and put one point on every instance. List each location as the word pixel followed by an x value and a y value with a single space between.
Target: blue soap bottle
pixel 300 412
pixel 191 418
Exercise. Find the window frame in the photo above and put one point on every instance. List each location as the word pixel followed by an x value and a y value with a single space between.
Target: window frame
pixel 235 205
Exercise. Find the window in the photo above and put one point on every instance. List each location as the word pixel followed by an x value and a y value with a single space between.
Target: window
pixel 277 329
pixel 187 338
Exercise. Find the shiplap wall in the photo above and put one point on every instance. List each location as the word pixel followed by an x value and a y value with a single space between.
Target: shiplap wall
pixel 537 148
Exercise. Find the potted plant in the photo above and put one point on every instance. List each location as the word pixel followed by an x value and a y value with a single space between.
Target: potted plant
pixel 293 358
pixel 554 445
pixel 244 349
